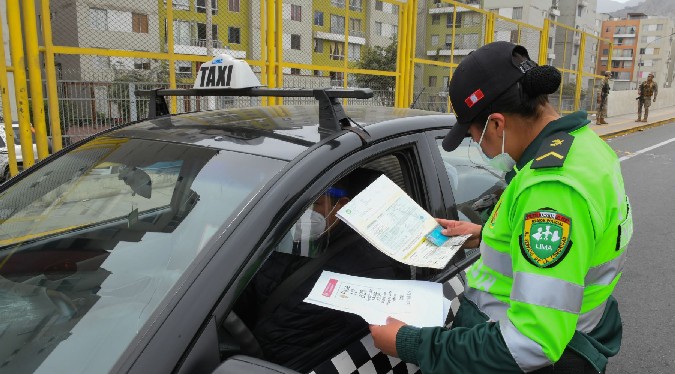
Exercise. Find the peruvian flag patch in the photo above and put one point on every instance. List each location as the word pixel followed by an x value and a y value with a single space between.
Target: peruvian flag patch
pixel 474 98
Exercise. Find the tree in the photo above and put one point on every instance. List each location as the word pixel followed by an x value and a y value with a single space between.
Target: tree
pixel 382 59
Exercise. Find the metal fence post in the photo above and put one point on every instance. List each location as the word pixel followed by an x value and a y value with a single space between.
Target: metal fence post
pixel 20 86
pixel 172 56
pixel 133 111
pixel 543 42
pixel 6 106
pixel 35 76
pixel 50 77
pixel 580 71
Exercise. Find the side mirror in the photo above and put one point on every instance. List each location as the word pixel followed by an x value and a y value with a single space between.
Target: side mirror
pixel 244 364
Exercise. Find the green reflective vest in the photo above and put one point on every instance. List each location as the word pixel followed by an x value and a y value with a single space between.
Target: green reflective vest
pixel 552 252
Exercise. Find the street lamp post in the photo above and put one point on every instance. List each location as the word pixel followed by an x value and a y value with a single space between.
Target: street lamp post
pixel 641 54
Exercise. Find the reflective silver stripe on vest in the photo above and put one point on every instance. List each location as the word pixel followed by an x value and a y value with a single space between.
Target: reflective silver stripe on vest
pixel 589 320
pixel 546 291
pixel 527 353
pixel 495 260
pixel 488 304
pixel 604 274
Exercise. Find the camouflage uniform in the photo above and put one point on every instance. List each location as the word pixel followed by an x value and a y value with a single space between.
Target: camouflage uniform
pixel 646 90
pixel 602 102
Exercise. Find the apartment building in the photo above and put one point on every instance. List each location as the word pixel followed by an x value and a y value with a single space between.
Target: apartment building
pixel 531 12
pixel 624 34
pixel 642 44
pixel 582 16
pixel 103 24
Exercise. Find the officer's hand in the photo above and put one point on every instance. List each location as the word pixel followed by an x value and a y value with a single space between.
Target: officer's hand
pixel 384 336
pixel 454 228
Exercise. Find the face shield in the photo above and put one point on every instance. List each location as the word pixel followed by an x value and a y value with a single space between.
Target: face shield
pixel 311 233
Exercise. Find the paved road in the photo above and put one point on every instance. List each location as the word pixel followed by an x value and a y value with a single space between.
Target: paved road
pixel 646 293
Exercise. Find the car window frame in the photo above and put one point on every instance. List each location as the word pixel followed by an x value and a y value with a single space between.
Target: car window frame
pixel 416 158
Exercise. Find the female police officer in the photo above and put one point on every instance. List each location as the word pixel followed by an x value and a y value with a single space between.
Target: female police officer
pixel 540 298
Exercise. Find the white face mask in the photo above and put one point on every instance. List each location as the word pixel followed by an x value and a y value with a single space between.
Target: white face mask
pixel 502 161
pixel 310 226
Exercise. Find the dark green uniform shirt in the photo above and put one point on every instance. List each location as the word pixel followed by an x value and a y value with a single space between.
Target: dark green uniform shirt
pixel 551 254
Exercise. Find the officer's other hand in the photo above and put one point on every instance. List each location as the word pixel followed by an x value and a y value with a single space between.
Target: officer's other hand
pixel 384 336
pixel 454 228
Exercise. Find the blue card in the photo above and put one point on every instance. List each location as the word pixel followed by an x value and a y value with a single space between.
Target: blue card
pixel 435 236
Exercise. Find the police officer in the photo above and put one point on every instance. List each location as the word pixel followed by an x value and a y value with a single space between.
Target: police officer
pixel 540 297
pixel 646 90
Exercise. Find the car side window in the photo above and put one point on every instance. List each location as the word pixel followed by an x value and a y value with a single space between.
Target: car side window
pixel 298 335
pixel 476 186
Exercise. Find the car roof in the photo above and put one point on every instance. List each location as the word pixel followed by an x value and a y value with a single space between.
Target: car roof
pixel 281 132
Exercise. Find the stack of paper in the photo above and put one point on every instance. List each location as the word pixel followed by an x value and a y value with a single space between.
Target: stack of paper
pixel 416 303
pixel 393 223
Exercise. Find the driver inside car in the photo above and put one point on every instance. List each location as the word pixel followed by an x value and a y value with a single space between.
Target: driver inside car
pixel 293 333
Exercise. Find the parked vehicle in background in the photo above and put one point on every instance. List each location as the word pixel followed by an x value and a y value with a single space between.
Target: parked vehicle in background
pixel 4 158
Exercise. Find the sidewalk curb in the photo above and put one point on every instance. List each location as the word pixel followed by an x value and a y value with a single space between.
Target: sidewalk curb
pixel 637 128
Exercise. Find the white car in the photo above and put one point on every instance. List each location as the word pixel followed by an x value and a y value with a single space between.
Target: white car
pixel 4 158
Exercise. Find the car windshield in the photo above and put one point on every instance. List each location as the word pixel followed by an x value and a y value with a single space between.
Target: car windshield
pixel 91 243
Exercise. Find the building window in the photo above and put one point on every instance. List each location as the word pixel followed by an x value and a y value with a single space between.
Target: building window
pixel 98 19
pixel 434 40
pixel 378 28
pixel 201 35
pixel 318 45
pixel 337 51
pixel 448 40
pixel 355 5
pixel 180 4
pixel 337 24
pixel 184 68
pixel 181 32
pixel 233 5
pixel 295 71
pixel 517 13
pixel 432 81
pixel 394 30
pixel 295 41
pixel 605 52
pixel 296 13
pixel 354 52
pixel 139 23
pixel 446 82
pixel 449 20
pixel 141 64
pixel 317 73
pixel 579 10
pixel 378 5
pixel 318 18
pixel 338 3
pixel 435 19
pixel 355 27
pixel 336 78
pixel 233 35
pixel 200 5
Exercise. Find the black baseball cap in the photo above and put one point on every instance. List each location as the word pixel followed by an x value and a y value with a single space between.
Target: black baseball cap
pixel 479 79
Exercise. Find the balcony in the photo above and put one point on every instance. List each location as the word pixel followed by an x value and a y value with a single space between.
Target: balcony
pixel 443 8
pixel 447 52
pixel 198 47
pixel 337 34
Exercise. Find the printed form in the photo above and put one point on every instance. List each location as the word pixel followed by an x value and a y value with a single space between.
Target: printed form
pixel 393 222
pixel 416 303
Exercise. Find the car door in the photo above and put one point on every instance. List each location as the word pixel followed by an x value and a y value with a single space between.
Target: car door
pixel 304 337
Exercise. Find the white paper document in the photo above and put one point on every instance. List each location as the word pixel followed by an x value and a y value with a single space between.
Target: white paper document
pixel 416 303
pixel 393 223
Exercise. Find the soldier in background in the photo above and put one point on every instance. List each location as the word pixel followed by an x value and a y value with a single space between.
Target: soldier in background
pixel 602 100
pixel 646 90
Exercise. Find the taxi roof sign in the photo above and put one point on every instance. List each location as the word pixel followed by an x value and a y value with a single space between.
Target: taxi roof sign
pixel 225 71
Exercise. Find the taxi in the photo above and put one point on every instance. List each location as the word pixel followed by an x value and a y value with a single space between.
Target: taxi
pixel 167 245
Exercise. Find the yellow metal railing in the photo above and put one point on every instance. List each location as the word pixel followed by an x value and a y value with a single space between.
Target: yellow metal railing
pixel 31 44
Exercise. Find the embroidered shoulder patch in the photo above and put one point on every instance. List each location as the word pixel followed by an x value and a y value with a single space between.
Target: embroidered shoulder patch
pixel 546 238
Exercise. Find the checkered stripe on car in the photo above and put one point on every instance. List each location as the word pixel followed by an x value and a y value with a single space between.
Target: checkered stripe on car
pixel 362 357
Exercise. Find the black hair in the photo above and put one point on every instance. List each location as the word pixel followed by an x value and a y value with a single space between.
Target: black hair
pixel 527 96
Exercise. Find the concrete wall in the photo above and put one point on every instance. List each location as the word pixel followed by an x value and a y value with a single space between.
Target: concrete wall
pixel 623 102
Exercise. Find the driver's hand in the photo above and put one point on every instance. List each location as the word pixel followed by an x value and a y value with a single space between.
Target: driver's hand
pixel 385 336
pixel 455 228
